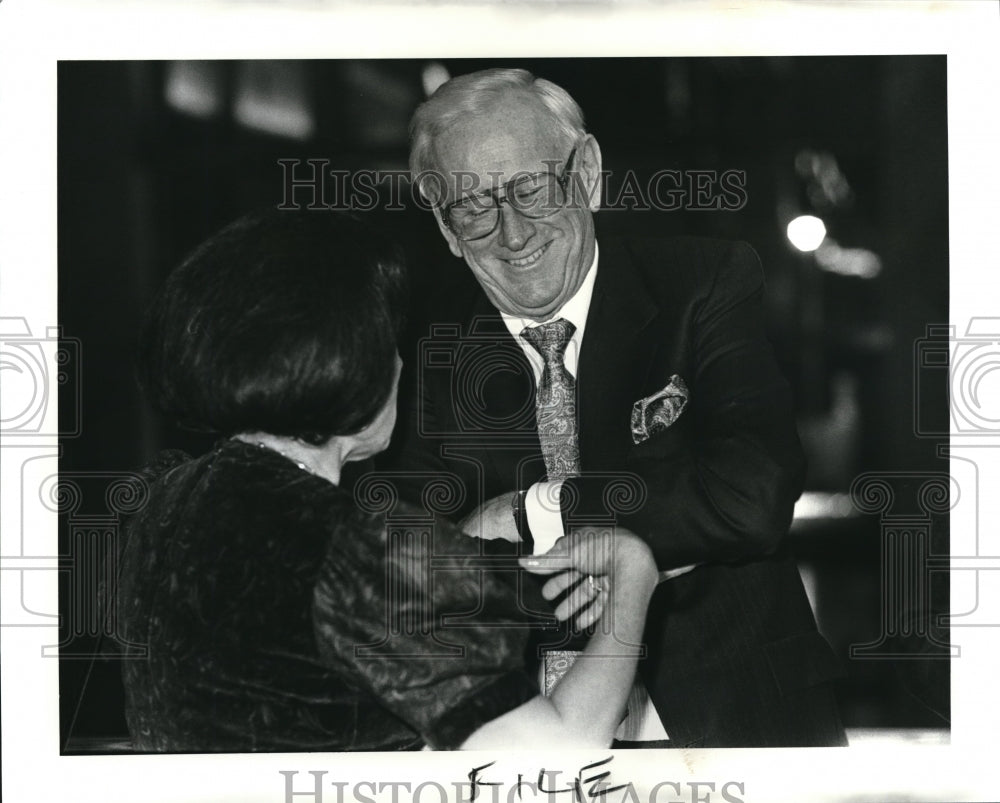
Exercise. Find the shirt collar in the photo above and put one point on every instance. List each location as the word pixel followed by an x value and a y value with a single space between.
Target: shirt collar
pixel 575 310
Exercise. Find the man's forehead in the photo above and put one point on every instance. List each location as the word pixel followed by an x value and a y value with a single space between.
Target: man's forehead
pixel 513 127
pixel 495 149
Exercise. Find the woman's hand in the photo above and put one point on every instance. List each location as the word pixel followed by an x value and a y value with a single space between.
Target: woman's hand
pixel 585 600
pixel 586 706
pixel 589 561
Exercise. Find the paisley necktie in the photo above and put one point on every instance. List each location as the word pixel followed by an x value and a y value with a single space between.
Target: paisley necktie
pixel 555 408
pixel 555 403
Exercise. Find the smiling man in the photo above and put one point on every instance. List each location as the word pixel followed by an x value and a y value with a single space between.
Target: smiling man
pixel 529 265
pixel 623 385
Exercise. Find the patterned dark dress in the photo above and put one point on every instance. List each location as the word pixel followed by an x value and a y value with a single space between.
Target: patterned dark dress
pixel 278 616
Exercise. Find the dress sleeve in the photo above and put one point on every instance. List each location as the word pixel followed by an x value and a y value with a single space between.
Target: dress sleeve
pixel 413 616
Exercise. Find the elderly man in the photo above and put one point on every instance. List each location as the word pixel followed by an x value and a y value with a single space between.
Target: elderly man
pixel 628 384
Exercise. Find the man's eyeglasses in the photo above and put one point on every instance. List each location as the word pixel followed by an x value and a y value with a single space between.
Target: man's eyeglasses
pixel 535 196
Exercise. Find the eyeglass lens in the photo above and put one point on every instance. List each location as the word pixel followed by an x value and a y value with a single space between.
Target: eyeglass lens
pixel 534 196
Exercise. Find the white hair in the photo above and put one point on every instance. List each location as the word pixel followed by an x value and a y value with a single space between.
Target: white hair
pixel 474 93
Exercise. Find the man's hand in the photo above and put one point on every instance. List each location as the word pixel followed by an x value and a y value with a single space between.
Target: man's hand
pixel 492 519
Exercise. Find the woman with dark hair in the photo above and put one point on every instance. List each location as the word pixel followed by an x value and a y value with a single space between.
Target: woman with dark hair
pixel 275 610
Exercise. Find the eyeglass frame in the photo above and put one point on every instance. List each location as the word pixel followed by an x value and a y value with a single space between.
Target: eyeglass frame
pixel 561 180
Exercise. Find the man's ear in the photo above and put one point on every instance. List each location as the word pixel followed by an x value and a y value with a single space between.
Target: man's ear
pixel 450 238
pixel 589 170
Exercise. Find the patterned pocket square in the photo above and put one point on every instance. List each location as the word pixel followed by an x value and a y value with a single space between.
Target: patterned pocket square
pixel 657 412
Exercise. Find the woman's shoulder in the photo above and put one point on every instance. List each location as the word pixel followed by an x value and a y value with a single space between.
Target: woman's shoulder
pixel 163 463
pixel 240 486
pixel 167 478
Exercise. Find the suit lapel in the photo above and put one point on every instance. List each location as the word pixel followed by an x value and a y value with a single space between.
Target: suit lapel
pixel 614 359
pixel 614 363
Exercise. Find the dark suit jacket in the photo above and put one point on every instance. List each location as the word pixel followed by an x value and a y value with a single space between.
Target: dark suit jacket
pixel 734 655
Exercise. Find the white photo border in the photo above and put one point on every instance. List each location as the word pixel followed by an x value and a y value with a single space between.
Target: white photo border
pixel 36 34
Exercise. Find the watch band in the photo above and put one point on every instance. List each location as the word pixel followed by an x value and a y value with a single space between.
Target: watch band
pixel 520 514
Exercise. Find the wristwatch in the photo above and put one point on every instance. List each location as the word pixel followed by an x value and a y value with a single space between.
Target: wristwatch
pixel 520 514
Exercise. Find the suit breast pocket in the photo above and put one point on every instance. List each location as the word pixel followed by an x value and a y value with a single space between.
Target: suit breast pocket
pixel 667 444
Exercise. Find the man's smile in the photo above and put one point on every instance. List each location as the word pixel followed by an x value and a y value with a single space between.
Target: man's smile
pixel 530 259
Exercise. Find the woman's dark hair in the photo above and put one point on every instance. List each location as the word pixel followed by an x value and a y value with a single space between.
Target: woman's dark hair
pixel 283 322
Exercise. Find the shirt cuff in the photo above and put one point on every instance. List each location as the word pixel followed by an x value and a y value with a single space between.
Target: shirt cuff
pixel 670 574
pixel 541 506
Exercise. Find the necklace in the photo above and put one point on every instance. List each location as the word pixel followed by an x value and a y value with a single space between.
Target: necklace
pixel 298 463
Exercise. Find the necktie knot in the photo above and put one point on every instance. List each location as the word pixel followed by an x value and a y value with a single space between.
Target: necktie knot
pixel 550 339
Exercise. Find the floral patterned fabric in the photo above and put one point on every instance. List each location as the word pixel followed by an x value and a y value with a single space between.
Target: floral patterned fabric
pixel 278 616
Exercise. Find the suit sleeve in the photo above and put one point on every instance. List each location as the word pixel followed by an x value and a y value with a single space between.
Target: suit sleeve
pixel 719 484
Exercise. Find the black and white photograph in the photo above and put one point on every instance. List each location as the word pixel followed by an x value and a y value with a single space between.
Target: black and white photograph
pixel 428 426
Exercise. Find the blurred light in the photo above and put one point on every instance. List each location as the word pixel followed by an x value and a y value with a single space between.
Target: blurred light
pixel 822 505
pixel 271 97
pixel 194 87
pixel 433 76
pixel 858 262
pixel 806 232
pixel 826 185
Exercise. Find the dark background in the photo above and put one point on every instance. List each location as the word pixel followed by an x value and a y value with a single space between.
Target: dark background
pixel 155 156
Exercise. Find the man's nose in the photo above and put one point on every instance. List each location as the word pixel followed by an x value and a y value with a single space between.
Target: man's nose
pixel 515 228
